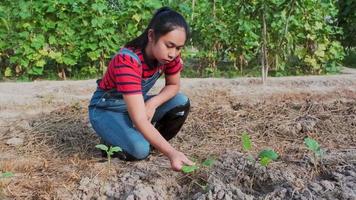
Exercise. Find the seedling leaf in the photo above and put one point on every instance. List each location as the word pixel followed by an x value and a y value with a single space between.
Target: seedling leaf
pixel 6 175
pixel 246 142
pixel 265 161
pixel 268 153
pixel 189 168
pixel 208 162
pixel 102 147
pixel 115 149
pixel 312 144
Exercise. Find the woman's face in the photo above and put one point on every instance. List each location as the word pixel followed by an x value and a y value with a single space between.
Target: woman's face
pixel 168 46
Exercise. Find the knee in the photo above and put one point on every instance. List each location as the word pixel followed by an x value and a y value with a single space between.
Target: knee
pixel 139 150
pixel 182 100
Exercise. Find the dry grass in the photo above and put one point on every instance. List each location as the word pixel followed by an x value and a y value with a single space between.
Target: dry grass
pixel 59 147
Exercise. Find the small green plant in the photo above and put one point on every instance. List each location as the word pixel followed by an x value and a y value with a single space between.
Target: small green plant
pixel 191 168
pixel 6 175
pixel 109 151
pixel 314 146
pixel 265 156
pixel 247 145
pixel 198 173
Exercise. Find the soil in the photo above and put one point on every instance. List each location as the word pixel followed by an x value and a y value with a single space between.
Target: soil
pixel 47 142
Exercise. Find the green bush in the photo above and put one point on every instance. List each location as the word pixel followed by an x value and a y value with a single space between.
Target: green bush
pixel 76 38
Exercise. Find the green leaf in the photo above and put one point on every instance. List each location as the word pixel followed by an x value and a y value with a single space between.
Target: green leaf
pixel 265 161
pixel 154 4
pixel 246 142
pixel 52 39
pixel 189 169
pixel 43 52
pixel 99 7
pixel 55 55
pixel 69 61
pixel 8 72
pixel 5 23
pixel 38 41
pixel 311 144
pixel 94 55
pixel 115 149
pixel 208 162
pixel 102 147
pixel 136 17
pixel 36 70
pixel 268 153
pixel 6 175
pixel 40 63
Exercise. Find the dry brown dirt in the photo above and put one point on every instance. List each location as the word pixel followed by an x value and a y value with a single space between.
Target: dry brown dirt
pixel 48 144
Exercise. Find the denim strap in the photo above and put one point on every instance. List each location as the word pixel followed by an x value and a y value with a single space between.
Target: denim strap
pixel 126 51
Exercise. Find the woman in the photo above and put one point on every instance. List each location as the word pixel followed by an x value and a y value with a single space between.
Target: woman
pixel 121 111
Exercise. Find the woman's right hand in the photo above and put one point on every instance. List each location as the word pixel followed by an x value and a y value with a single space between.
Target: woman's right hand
pixel 178 160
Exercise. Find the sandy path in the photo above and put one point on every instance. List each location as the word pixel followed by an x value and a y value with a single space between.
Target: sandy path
pixel 23 100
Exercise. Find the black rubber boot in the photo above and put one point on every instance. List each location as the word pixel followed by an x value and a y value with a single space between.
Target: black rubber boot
pixel 170 124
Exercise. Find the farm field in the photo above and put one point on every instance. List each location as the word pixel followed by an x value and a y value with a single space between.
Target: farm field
pixel 46 141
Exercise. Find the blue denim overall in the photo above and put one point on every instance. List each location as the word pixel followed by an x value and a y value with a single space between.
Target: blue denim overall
pixel 110 119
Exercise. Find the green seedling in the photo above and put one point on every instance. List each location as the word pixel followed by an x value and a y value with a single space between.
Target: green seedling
pixel 314 146
pixel 189 168
pixel 265 156
pixel 247 145
pixel 192 168
pixel 200 179
pixel 6 175
pixel 246 142
pixel 109 150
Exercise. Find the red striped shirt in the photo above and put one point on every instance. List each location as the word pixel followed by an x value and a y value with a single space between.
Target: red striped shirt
pixel 125 74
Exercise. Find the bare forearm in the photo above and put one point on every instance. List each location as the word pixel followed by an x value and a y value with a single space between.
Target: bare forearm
pixel 154 137
pixel 168 92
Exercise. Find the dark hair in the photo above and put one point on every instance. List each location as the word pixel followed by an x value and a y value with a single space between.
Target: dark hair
pixel 163 21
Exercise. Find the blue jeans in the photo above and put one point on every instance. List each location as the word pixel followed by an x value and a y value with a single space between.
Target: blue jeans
pixel 110 119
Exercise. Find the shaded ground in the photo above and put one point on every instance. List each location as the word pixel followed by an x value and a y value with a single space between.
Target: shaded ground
pixel 47 142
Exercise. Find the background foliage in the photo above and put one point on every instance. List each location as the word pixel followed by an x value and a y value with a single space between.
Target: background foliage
pixel 76 38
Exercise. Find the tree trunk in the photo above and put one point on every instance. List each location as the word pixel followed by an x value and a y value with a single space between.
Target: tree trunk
pixel 193 5
pixel 214 9
pixel 264 52
pixel 102 62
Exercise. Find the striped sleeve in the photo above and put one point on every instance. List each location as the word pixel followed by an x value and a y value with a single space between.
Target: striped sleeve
pixel 128 74
pixel 174 66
